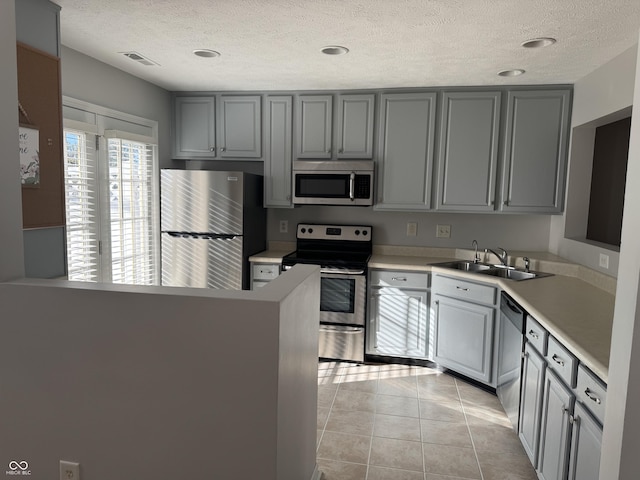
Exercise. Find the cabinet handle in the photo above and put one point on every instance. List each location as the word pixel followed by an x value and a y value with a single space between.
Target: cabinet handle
pixel 212 149
pixel 329 151
pixel 462 288
pixel 223 149
pixel 399 279
pixel 591 396
pixel 558 360
pixel 534 334
pixel 573 420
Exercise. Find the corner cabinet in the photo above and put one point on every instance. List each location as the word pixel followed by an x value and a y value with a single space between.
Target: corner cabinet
pixel 535 151
pixel 468 153
pixel 464 317
pixel 398 314
pixel 278 151
pixel 406 148
pixel 217 127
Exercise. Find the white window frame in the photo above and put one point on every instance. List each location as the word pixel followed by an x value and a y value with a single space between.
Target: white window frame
pixel 108 123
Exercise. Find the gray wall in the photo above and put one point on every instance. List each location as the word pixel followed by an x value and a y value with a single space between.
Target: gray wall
pixel 602 96
pixel 521 232
pixel 11 253
pixel 161 383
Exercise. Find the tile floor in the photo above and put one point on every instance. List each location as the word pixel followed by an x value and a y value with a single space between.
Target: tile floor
pixel 396 422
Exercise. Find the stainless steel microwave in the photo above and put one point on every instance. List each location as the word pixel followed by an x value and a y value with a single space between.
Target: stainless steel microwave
pixel 333 182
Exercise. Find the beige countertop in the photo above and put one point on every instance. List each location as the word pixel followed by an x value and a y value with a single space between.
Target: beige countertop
pixel 575 305
pixel 576 312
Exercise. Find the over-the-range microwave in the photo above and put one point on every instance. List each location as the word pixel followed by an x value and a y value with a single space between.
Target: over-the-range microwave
pixel 333 182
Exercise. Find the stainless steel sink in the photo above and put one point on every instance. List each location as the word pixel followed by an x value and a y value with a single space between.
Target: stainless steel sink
pixel 514 274
pixel 465 265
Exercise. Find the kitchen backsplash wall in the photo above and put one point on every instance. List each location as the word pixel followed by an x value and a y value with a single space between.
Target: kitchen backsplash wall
pixel 515 232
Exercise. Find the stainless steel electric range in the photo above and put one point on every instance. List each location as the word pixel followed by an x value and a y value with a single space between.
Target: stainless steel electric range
pixel 342 252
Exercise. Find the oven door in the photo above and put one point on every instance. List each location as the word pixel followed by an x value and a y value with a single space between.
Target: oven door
pixel 342 296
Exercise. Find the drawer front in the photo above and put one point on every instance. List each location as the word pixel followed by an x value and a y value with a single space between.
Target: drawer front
pixel 397 278
pixel 474 292
pixel 536 335
pixel 562 362
pixel 592 392
pixel 265 271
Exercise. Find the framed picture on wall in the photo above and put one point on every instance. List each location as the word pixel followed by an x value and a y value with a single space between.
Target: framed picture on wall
pixel 29 156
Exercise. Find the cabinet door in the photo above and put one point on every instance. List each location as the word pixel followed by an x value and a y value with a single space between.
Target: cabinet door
pixel 463 338
pixel 586 446
pixel 399 318
pixel 195 127
pixel 555 429
pixel 354 127
pixel 407 124
pixel 278 151
pixel 240 135
pixel 468 153
pixel 531 402
pixel 313 126
pixel 535 151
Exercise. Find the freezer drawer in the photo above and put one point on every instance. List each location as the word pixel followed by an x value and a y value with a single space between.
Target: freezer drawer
pixel 197 261
pixel 340 342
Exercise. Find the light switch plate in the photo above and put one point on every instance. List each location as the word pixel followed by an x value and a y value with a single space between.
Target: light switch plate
pixel 604 260
pixel 412 229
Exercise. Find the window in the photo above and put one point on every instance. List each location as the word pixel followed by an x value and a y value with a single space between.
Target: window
pixel 111 200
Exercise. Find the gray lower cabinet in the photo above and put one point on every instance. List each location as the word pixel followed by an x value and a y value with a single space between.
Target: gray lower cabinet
pixel 463 337
pixel 586 446
pixel 555 429
pixel 468 151
pixel 217 127
pixel 405 151
pixel 263 273
pixel 194 127
pixel 535 151
pixel 313 126
pixel 278 151
pixel 398 314
pixel 533 372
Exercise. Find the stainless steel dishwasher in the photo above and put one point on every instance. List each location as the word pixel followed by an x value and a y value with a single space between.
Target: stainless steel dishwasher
pixel 510 347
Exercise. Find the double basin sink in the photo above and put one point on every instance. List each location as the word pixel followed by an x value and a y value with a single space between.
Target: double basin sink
pixel 501 271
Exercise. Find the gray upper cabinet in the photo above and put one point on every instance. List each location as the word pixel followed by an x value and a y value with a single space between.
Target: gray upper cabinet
pixel 313 126
pixel 234 122
pixel 468 152
pixel 354 126
pixel 239 124
pixel 195 127
pixel 278 151
pixel 535 151
pixel 406 144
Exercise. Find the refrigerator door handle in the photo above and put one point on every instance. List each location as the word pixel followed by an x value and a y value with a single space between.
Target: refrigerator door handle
pixel 204 236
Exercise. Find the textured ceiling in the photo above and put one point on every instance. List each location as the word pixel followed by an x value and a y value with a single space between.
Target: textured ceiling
pixel 275 44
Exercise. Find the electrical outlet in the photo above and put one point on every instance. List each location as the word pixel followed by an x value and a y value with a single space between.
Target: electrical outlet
pixel 443 231
pixel 69 470
pixel 284 226
pixel 604 260
pixel 412 229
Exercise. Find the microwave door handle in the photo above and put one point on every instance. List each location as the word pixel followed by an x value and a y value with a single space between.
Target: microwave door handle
pixel 352 185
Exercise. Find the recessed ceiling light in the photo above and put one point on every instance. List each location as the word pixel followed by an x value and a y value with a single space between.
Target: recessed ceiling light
pixel 334 50
pixel 511 73
pixel 206 53
pixel 539 42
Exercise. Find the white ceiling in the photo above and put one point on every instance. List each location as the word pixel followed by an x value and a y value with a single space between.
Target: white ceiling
pixel 275 44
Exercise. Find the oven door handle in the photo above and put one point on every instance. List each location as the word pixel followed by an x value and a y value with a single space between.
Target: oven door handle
pixel 341 271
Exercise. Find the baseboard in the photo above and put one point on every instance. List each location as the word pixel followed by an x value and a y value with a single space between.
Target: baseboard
pixel 317 474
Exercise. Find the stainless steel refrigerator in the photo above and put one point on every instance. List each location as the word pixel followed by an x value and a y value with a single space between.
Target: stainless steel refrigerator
pixel 211 223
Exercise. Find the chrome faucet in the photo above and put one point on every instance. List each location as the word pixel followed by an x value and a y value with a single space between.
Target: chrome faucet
pixel 526 263
pixel 476 257
pixel 502 257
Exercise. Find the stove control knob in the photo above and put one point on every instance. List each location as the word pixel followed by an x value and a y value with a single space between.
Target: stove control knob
pixel 311 230
pixel 357 232
pixel 303 230
pixel 364 232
